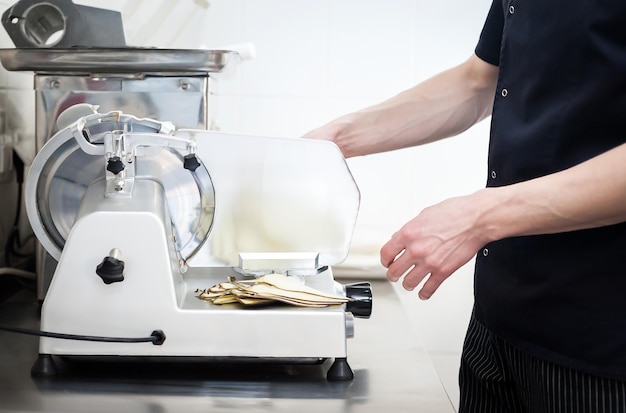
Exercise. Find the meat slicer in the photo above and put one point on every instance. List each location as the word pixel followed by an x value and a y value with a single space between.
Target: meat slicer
pixel 140 216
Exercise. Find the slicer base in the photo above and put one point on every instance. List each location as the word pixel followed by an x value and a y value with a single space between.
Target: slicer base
pixel 45 365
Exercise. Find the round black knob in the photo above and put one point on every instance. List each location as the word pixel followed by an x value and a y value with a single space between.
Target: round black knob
pixel 191 162
pixel 360 304
pixel 115 165
pixel 111 270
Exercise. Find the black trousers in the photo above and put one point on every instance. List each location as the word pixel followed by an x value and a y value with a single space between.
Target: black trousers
pixel 496 377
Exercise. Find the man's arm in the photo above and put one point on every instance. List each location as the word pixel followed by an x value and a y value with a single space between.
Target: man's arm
pixel 445 236
pixel 442 106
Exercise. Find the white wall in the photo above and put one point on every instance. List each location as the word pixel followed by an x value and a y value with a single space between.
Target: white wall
pixel 319 59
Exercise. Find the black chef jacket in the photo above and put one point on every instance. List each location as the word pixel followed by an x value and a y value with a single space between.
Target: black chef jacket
pixel 560 100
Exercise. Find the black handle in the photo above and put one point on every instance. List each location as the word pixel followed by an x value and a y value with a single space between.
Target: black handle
pixel 360 304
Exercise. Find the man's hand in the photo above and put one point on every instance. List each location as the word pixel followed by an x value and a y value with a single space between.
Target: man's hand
pixel 435 243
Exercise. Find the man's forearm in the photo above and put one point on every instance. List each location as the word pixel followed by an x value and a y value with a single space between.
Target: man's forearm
pixel 591 194
pixel 442 106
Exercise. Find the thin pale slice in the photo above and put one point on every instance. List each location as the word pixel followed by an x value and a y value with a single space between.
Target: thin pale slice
pixel 288 284
pixel 302 296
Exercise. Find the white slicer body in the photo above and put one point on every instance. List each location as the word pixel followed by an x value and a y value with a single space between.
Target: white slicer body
pixel 159 213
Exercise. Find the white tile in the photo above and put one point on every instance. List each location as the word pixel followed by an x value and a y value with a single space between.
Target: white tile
pixel 383 180
pixel 19 80
pixel 321 110
pixel 141 19
pixel 372 46
pixel 447 32
pixel 280 117
pixel 294 115
pixel 228 82
pixel 226 113
pixel 182 26
pixel 4 74
pixel 448 168
pixel 291 39
pixel 223 24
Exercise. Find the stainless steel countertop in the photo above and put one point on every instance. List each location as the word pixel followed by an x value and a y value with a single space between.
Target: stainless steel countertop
pixel 393 373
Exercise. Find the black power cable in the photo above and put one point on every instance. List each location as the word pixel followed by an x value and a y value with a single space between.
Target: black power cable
pixel 157 337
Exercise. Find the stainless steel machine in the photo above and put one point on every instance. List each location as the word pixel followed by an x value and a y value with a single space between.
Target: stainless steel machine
pixel 78 54
pixel 165 212
pixel 168 84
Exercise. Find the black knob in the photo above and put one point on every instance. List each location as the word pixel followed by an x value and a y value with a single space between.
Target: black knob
pixel 191 162
pixel 360 304
pixel 115 165
pixel 111 270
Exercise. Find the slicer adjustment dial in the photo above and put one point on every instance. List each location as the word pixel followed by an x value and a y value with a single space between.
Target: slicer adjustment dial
pixel 111 269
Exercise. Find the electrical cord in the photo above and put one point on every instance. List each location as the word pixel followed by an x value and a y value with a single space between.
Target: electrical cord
pixel 157 337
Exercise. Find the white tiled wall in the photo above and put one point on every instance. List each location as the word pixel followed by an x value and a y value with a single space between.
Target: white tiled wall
pixel 319 59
